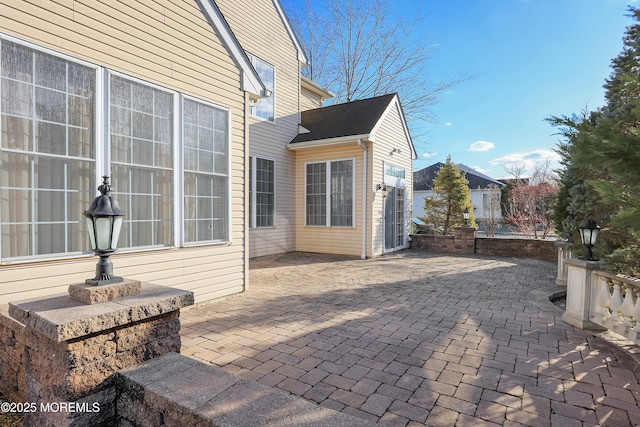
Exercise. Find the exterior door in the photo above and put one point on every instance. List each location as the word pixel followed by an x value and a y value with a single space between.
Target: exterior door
pixel 394 218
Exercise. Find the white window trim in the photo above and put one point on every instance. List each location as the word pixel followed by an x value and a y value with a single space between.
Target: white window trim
pixel 228 240
pixel 177 144
pixel 98 99
pixel 405 223
pixel 253 214
pixel 392 180
pixel 103 154
pixel 328 192
pixel 273 92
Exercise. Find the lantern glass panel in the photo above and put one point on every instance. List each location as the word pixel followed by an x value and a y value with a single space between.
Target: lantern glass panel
pixel 588 236
pixel 92 233
pixel 103 233
pixel 117 225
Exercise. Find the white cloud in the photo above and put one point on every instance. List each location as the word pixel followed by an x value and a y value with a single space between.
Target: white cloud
pixel 527 160
pixel 448 124
pixel 482 146
pixel 427 155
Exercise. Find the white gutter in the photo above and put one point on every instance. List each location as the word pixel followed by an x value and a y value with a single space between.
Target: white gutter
pixel 365 192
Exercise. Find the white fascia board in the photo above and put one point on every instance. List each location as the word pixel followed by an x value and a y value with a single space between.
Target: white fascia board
pixel 324 142
pixel 301 56
pixel 315 88
pixel 396 102
pixel 250 81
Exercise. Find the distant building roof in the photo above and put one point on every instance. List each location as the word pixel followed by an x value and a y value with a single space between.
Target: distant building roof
pixel 423 179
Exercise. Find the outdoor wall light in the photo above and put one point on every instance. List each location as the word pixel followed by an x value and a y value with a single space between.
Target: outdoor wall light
pixel 589 231
pixel 466 214
pixel 383 190
pixel 104 221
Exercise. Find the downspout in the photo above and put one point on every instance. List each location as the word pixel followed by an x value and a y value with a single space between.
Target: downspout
pixel 247 216
pixel 365 202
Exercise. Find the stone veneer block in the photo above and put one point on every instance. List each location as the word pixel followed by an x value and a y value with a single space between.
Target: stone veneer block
pixel 178 390
pixel 61 318
pixel 95 294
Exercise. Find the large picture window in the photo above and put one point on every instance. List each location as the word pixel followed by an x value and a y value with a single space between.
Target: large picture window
pixel 264 108
pixel 329 196
pixel 206 174
pixel 262 192
pixel 53 146
pixel 47 152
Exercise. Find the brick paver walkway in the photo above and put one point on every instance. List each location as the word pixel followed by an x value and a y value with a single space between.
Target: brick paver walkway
pixel 417 339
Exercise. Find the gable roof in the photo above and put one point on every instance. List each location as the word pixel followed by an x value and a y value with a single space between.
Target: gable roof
pixel 294 38
pixel 423 179
pixel 250 81
pixel 347 122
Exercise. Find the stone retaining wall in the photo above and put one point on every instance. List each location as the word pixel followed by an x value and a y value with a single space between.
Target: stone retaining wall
pixel 65 352
pixel 174 390
pixel 466 243
pixel 461 242
pixel 12 372
pixel 544 250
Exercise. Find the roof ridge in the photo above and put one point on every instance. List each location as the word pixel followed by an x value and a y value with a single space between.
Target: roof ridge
pixel 355 101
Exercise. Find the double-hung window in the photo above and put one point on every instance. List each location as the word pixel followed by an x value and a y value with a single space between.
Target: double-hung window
pixel 329 193
pixel 54 144
pixel 264 108
pixel 262 192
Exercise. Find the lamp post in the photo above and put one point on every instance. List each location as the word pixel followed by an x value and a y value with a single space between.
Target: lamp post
pixel 104 221
pixel 589 231
pixel 465 214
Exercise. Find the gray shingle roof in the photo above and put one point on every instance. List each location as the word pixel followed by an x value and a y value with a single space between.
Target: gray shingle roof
pixel 340 120
pixel 423 179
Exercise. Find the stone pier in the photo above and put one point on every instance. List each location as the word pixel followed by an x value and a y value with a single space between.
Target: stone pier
pixel 74 344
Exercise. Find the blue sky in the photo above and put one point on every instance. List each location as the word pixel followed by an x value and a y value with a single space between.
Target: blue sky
pixel 532 59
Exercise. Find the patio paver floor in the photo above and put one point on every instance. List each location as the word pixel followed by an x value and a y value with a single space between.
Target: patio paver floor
pixel 417 338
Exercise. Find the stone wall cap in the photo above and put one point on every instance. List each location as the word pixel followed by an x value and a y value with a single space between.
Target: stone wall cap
pixel 61 318
pixel 589 265
pixel 219 398
pixel 92 294
pixel 7 321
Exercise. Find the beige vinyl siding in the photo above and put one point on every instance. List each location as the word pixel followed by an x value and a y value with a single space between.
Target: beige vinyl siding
pixel 168 43
pixel 309 100
pixel 334 240
pixel 389 135
pixel 260 31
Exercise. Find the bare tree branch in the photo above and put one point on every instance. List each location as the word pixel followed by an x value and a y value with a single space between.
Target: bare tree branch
pixel 360 49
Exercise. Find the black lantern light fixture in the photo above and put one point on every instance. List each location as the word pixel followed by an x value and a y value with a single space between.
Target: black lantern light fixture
pixel 465 214
pixel 383 190
pixel 589 231
pixel 104 221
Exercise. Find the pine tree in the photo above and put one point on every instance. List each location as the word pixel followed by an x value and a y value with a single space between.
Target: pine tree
pixel 452 195
pixel 600 155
